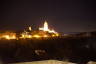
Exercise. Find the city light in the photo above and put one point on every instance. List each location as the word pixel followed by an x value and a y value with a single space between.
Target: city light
pixel 36 36
pixel 45 36
pixel 43 32
pixel 9 37
pixel 30 28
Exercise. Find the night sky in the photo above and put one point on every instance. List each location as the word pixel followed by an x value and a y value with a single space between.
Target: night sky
pixel 62 15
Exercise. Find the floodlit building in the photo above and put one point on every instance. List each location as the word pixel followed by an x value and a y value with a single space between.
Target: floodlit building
pixel 46 28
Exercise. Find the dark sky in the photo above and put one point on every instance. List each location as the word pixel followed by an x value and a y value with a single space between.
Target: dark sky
pixel 62 15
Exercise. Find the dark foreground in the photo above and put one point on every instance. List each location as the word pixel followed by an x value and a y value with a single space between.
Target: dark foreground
pixel 79 50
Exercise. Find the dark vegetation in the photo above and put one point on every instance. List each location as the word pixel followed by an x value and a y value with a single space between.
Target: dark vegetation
pixel 76 49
